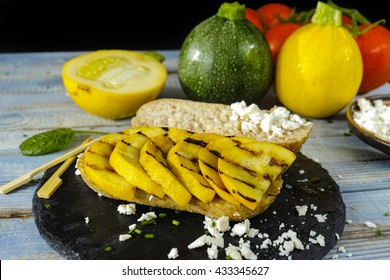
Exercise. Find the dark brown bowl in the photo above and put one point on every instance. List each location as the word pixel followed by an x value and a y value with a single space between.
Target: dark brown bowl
pixel 364 135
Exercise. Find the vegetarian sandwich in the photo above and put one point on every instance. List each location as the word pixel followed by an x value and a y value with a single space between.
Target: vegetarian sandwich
pixel 160 163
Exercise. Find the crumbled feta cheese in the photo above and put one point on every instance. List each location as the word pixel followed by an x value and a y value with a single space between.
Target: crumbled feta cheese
pixel 240 229
pixel 246 251
pixel 301 172
pixel 233 252
pixel 276 123
pixel 320 240
pixel 199 242
pixel 341 249
pixel 223 224
pixel 321 218
pixel 374 117
pixel 301 210
pixel 147 216
pixel 212 252
pixel 132 227
pixel 266 243
pixel 288 241
pixel 348 221
pixel 173 254
pixel 124 237
pixel 87 220
pixel 370 224
pixel 127 209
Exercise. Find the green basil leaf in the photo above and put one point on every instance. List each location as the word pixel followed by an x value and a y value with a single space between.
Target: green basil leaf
pixel 47 142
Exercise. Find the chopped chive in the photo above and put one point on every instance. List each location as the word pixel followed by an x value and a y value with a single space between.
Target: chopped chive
pixel 315 179
pixel 137 231
pixel 379 232
pixel 162 215
pixel 206 231
pixel 108 249
pixel 47 206
pixel 149 235
pixel 175 222
pixel 387 214
pixel 229 258
pixel 148 222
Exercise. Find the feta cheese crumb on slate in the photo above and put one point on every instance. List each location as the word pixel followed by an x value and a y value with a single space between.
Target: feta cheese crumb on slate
pixel 124 237
pixel 288 241
pixel 233 252
pixel 301 210
pixel 320 240
pixel 370 224
pixel 132 227
pixel 147 216
pixel 173 254
pixel 240 229
pixel 127 209
pixel 212 252
pixel 87 220
pixel 321 218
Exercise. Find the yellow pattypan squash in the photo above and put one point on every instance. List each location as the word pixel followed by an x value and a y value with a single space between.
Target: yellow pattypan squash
pixel 319 68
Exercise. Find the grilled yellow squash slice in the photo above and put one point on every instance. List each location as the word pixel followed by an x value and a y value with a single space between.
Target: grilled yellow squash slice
pixel 125 160
pixel 247 168
pixel 183 162
pixel 152 158
pixel 99 170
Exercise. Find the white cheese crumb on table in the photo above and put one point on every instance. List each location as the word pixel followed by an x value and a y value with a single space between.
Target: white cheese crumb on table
pixel 370 224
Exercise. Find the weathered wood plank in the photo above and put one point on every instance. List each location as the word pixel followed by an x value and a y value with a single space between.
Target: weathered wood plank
pixel 20 239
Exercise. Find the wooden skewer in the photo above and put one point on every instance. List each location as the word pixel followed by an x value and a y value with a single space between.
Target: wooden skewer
pixel 54 182
pixel 30 175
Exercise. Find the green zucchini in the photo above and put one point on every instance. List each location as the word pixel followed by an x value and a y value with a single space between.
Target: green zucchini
pixel 225 59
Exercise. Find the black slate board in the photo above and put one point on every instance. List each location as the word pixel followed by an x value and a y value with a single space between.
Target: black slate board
pixel 61 220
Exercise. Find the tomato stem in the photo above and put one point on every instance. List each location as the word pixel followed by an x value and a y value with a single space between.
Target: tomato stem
pixel 352 13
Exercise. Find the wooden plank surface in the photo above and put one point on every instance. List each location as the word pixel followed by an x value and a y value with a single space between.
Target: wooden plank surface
pixel 33 99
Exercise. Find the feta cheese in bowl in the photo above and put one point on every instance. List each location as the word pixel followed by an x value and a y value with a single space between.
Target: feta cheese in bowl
pixel 369 119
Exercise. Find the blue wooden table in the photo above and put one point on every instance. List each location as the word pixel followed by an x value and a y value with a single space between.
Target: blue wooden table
pixel 33 100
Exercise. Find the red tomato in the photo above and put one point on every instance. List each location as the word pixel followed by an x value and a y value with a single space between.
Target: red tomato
pixel 375 49
pixel 271 13
pixel 254 18
pixel 346 20
pixel 277 34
